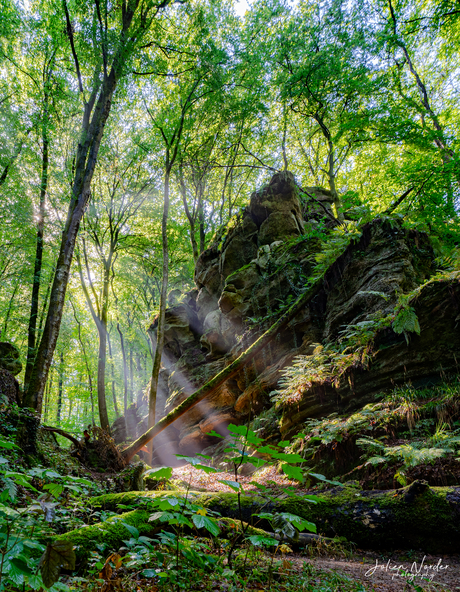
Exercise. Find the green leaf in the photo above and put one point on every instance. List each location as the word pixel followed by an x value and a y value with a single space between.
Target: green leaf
pixel 149 573
pixel 293 472
pixel 323 478
pixel 190 459
pixel 232 484
pixel 262 541
pixel 205 522
pixel 8 511
pixel 291 458
pixel 215 434
pixel 57 554
pixel 55 489
pixel 7 444
pixel 161 473
pixel 21 566
pixel 206 469
pixel 132 529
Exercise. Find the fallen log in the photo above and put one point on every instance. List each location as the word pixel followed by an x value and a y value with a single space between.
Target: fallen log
pixel 414 517
pixel 210 387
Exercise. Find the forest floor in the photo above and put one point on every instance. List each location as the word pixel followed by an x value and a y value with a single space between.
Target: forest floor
pixel 380 571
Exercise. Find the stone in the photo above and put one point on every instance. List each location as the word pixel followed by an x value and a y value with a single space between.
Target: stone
pixel 9 358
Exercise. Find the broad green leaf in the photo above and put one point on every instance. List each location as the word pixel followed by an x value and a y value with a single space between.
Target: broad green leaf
pixel 132 529
pixel 205 522
pixel 232 484
pixel 262 541
pixel 7 444
pixel 190 459
pixel 149 573
pixel 55 489
pixel 293 472
pixel 323 478
pixel 21 566
pixel 206 469
pixel 8 511
pixel 161 473
pixel 291 458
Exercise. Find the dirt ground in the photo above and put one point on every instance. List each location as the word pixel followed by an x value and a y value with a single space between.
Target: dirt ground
pixel 380 573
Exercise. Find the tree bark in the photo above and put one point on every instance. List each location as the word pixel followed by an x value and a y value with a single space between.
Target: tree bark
pixel 125 370
pixel 60 387
pixel 32 330
pixel 163 301
pixel 112 372
pixel 211 386
pixel 99 105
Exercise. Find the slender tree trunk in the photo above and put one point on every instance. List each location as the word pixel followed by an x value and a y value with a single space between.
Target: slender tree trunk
pixel 112 372
pixel 87 152
pixel 85 357
pixel 10 306
pixel 330 172
pixel 32 330
pixel 190 218
pixel 49 386
pixel 60 387
pixel 140 380
pixel 131 376
pixel 102 357
pixel 163 300
pixel 125 370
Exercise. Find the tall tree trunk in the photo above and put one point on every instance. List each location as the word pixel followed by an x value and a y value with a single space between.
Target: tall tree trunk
pixel 131 375
pixel 102 357
pixel 60 387
pixel 140 381
pixel 163 300
pixel 49 386
pixel 330 171
pixel 32 330
pixel 99 315
pixel 85 162
pixel 10 306
pixel 85 357
pixel 112 373
pixel 125 370
pixel 190 217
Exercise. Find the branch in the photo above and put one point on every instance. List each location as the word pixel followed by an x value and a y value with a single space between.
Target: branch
pixel 64 434
pixel 72 45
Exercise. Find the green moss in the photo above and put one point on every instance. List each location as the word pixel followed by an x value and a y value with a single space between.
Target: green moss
pixel 110 533
pixel 414 516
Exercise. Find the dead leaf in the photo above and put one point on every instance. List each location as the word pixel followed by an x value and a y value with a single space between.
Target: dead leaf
pixel 57 554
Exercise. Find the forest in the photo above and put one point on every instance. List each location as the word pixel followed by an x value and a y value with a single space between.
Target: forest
pixel 229 295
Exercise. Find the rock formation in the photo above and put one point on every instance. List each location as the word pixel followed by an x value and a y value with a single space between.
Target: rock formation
pixel 263 262
pixel 10 366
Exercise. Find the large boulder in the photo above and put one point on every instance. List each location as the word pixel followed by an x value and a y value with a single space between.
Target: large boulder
pixel 264 262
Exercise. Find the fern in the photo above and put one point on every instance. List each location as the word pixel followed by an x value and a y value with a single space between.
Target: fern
pixel 406 321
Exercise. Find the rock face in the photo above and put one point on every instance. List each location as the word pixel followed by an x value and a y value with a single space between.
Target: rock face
pixel 9 388
pixel 264 261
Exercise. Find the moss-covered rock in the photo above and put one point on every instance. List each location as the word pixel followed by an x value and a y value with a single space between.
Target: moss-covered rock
pixel 110 533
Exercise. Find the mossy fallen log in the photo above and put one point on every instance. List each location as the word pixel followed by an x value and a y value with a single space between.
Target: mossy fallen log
pixel 415 517
pixel 111 534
